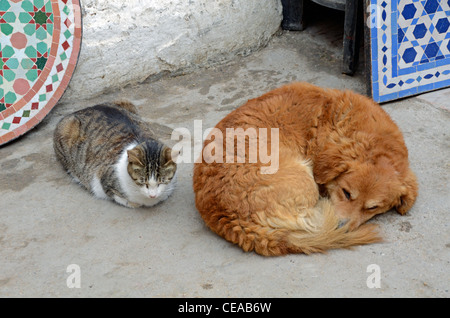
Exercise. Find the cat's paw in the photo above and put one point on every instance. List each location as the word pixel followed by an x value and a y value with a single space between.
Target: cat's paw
pixel 126 203
pixel 133 205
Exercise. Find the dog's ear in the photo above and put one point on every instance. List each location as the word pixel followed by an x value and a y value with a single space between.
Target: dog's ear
pixel 409 192
pixel 329 164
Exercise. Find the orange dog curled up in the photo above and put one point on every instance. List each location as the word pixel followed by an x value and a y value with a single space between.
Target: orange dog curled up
pixel 337 160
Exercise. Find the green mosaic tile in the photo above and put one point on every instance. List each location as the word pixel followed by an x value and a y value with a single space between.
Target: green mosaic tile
pixel 66 10
pixel 40 62
pixel 42 47
pixel 38 3
pixel 31 52
pixel 9 75
pixel 25 17
pixel 6 29
pixel 10 98
pixel 4 5
pixel 27 64
pixel 7 51
pixel 12 63
pixel 41 34
pixel 29 29
pixel 67 34
pixel 6 126
pixel 50 29
pixel 32 75
pixel 9 17
pixel 27 5
pixel 40 18
pixel 48 6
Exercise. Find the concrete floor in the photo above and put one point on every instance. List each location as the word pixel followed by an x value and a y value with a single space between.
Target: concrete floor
pixel 48 222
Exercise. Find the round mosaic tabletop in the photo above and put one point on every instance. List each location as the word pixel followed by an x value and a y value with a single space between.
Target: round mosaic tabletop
pixel 39 45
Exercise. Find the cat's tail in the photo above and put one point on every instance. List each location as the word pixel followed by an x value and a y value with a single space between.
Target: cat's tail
pixel 272 237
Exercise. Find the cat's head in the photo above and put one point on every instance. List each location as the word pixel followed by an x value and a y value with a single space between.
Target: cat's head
pixel 151 167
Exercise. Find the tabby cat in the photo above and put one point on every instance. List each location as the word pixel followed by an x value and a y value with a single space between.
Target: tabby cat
pixel 112 152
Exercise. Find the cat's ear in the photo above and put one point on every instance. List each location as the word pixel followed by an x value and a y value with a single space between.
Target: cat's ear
pixel 136 156
pixel 169 155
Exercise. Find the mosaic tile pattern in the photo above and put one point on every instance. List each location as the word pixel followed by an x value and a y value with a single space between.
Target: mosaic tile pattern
pixel 410 47
pixel 39 45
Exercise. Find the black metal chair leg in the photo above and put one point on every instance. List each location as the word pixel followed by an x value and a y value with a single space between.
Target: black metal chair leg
pixel 292 15
pixel 351 45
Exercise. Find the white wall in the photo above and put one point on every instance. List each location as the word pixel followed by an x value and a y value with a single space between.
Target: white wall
pixel 126 41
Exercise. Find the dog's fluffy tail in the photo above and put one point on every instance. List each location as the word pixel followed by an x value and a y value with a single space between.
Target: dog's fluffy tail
pixel 269 240
pixel 330 234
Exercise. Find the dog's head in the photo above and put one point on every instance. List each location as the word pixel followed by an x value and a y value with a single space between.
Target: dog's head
pixel 361 189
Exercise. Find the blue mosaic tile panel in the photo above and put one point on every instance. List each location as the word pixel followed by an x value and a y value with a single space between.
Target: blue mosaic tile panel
pixel 410 47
